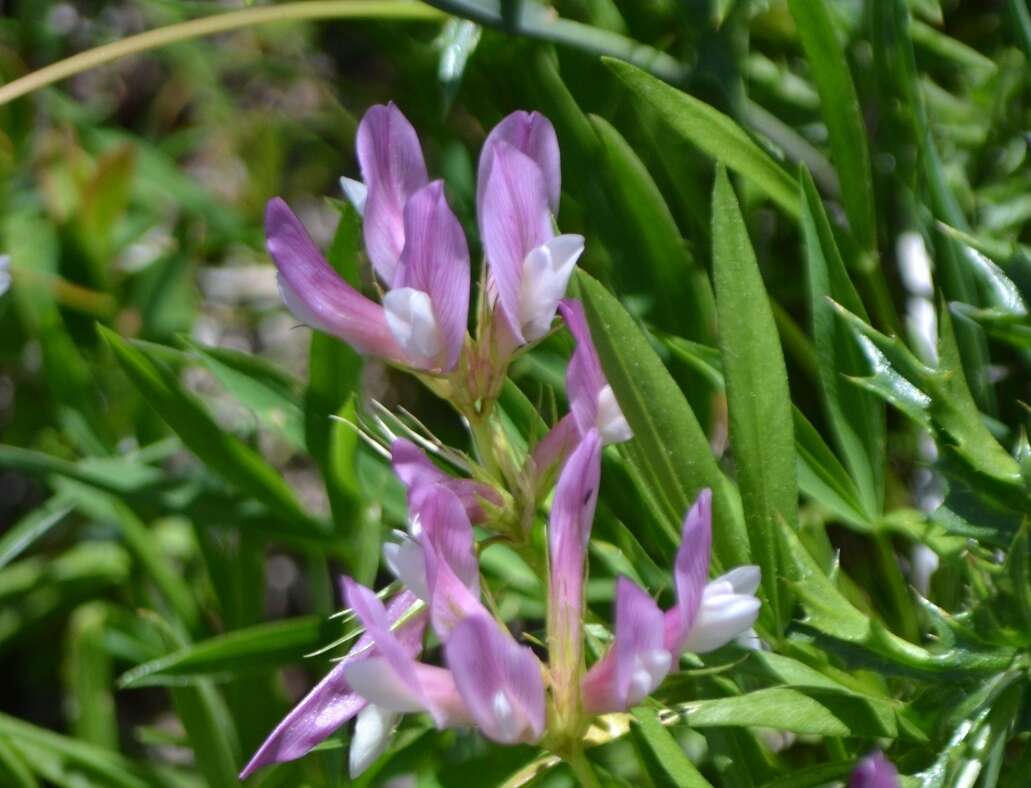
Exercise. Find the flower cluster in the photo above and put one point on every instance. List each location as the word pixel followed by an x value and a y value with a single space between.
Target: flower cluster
pixel 486 679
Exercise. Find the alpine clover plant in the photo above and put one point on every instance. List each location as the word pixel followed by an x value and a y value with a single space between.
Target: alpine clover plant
pixel 481 676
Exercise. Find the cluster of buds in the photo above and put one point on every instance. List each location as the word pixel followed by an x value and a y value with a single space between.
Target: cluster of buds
pixel 488 680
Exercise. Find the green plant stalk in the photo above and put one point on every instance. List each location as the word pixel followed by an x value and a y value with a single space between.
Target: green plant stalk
pixel 536 21
pixel 583 770
pixel 211 25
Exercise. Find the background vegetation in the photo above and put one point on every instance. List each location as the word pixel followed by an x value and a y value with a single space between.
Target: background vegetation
pixel 175 502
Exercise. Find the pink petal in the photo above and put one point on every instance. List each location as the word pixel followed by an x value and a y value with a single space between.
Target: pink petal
pixel 316 295
pixel 530 133
pixel 331 703
pixel 690 571
pixel 514 219
pixel 499 681
pixel 584 377
pixel 569 528
pixel 637 662
pixel 435 260
pixel 415 469
pixel 393 170
pixel 874 771
pixel 444 527
pixel 386 644
pixel 553 450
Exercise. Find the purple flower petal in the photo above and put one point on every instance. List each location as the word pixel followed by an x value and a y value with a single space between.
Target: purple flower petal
pixel 553 450
pixel 590 396
pixel 874 771
pixel 435 261
pixel 546 272
pixel 331 703
pixel 726 611
pixel 441 522
pixel 393 170
pixel 532 134
pixel 638 660
pixel 514 220
pixel 499 680
pixel 584 377
pixel 316 295
pixel 415 469
pixel 388 648
pixel 569 528
pixel 690 571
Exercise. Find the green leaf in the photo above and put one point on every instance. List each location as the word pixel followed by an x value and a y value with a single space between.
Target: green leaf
pixel 822 477
pixel 865 642
pixel 662 267
pixel 855 416
pixel 713 132
pixel 262 647
pixel 31 527
pixel 90 677
pixel 667 752
pixel 669 452
pixel 758 399
pixel 839 105
pixel 15 767
pixel 109 768
pixel 211 731
pixel 814 776
pixel 269 392
pixel 141 542
pixel 943 394
pixel 809 712
pixel 224 454
pixel 820 474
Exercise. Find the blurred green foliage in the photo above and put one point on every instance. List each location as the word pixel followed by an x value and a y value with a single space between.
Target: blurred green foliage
pixel 176 501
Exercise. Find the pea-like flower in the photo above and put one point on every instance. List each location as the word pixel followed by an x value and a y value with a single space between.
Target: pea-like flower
pixel 420 254
pixel 414 242
pixel 648 642
pixel 518 186
pixel 332 702
pixel 874 771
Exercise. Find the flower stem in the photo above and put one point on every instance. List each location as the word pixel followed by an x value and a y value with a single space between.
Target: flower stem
pixel 210 25
pixel 582 769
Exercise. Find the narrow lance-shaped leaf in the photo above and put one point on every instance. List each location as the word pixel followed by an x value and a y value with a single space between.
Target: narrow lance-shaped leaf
pixel 856 417
pixel 713 132
pixel 758 399
pixel 839 105
pixel 223 453
pixel 669 451
pixel 667 751
pixel 683 302
pixel 820 474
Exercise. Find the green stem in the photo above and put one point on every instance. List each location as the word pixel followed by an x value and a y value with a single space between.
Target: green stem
pixel 583 770
pixel 483 443
pixel 210 25
pixel 534 20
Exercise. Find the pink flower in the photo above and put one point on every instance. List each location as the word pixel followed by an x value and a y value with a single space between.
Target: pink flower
pixel 518 185
pixel 648 643
pixel 569 531
pixel 332 702
pixel 415 244
pixel 874 771
pixel 590 396
pixel 416 470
